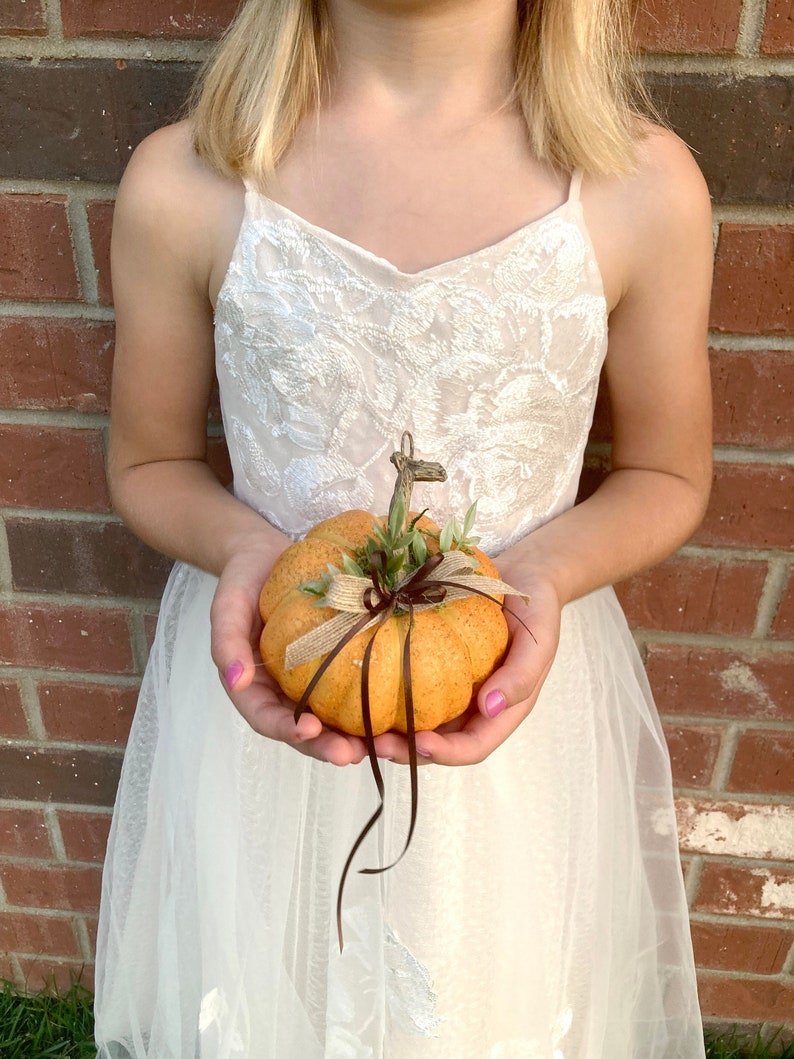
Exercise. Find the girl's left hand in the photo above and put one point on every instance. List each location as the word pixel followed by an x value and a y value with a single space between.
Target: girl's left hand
pixel 507 696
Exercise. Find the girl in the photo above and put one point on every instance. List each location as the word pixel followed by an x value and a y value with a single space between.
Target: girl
pixel 429 215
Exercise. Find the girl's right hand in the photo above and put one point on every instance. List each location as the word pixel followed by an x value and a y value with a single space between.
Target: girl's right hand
pixel 236 628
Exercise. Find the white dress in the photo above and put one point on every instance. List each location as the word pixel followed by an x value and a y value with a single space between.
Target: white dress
pixel 540 911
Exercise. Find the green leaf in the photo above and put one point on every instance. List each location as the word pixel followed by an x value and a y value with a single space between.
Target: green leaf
pixel 397 517
pixel 468 521
pixel 351 566
pixel 419 548
pixel 445 540
pixel 314 588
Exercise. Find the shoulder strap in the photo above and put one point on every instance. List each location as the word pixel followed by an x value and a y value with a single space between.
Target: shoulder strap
pixel 575 185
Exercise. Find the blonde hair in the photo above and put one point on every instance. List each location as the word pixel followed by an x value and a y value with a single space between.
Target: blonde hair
pixel 575 83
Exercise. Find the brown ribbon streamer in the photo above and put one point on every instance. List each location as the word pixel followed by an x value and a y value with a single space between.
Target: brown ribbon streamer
pixel 419 590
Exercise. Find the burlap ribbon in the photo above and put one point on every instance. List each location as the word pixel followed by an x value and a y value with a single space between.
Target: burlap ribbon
pixel 352 596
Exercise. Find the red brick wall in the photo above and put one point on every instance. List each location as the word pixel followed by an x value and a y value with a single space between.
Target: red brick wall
pixel 80 84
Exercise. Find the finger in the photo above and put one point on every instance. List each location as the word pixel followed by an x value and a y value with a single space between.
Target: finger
pixel 393 746
pixel 271 718
pixel 524 667
pixel 235 623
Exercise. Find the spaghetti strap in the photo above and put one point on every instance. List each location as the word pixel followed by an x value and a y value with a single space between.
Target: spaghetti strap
pixel 575 185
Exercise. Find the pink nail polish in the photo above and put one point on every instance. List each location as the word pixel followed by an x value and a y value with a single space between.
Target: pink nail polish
pixel 495 702
pixel 423 753
pixel 232 674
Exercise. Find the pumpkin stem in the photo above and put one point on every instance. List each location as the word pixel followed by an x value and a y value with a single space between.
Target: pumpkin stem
pixel 410 470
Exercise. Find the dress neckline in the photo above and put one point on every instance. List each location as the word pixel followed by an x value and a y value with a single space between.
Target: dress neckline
pixel 328 236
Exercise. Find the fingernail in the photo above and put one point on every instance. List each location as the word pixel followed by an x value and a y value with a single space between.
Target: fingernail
pixel 232 674
pixel 423 753
pixel 495 702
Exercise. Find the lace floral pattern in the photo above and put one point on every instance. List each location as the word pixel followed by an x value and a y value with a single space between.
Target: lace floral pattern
pixel 326 353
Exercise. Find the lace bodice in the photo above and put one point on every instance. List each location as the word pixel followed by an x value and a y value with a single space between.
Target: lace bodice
pixel 326 353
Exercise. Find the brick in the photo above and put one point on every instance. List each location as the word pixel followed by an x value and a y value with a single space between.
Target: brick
pixel 90 113
pixel 738 127
pixel 721 682
pixel 36 258
pixel 734 947
pixel 733 829
pixel 52 363
pixel 752 397
pixel 670 26
pixel 746 998
pixel 75 777
pixel 52 467
pixel 100 224
pixel 695 595
pixel 739 890
pixel 64 887
pixel 184 19
pixel 37 935
pixel 778 36
pixel 693 752
pixel 764 763
pixel 783 624
pixel 92 639
pixel 87 713
pixel 13 723
pixel 23 833
pixel 22 18
pixel 85 835
pixel 752 279
pixel 44 974
pixel 751 504
pixel 87 558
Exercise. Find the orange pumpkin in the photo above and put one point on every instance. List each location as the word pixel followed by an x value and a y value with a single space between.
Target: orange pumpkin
pixel 454 646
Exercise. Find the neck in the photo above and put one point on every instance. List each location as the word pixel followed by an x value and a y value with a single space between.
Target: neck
pixel 420 56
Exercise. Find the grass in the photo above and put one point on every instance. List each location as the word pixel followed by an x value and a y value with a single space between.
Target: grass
pixel 52 1023
pixel 60 1023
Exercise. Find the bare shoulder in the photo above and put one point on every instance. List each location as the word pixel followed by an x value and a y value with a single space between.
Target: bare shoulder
pixel 661 211
pixel 169 197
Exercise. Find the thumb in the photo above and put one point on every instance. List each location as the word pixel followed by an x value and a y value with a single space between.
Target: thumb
pixel 517 680
pixel 235 626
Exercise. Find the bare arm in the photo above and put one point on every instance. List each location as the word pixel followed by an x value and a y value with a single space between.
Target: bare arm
pixel 171 216
pixel 659 227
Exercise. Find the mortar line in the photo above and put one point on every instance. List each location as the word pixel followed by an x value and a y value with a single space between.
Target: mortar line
pixel 31 707
pixel 737 66
pixel 751 28
pixel 80 190
pixel 6 576
pixel 77 599
pixel 57 310
pixel 56 836
pixel 69 745
pixel 693 878
pixel 57 515
pixel 762 343
pixel 83 250
pixel 110 48
pixel 753 213
pixel 743 920
pixel 52 9
pixel 710 720
pixel 139 641
pixel 731 642
pixel 771 595
pixel 52 418
pixel 724 762
pixel 81 930
pixel 734 454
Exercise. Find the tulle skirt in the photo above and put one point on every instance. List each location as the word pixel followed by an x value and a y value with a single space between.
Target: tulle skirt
pixel 539 913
